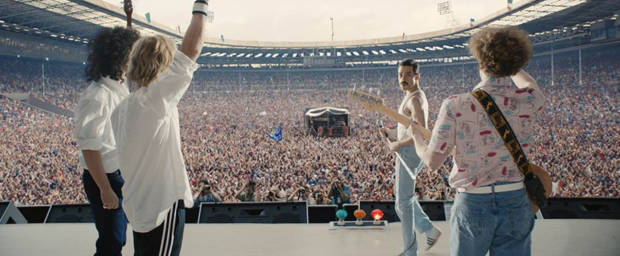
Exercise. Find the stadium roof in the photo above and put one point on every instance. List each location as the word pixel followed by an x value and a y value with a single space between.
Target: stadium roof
pixel 545 20
pixel 517 14
pixel 72 20
pixel 78 20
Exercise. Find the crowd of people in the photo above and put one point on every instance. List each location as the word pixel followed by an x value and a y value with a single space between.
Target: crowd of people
pixel 226 116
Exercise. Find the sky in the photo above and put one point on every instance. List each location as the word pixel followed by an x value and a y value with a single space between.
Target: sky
pixel 309 20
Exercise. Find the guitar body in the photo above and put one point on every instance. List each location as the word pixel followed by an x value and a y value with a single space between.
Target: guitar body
pixel 545 179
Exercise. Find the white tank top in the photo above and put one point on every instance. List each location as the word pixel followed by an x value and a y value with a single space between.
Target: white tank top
pixel 401 130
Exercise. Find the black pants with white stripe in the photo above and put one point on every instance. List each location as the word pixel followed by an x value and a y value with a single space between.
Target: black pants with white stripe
pixel 165 239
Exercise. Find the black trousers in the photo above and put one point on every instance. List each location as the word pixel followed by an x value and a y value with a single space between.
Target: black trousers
pixel 166 239
pixel 111 224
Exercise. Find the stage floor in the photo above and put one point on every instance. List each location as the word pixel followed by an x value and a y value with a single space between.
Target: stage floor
pixel 551 237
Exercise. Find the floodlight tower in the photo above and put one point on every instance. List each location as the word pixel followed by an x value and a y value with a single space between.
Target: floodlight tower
pixel 444 7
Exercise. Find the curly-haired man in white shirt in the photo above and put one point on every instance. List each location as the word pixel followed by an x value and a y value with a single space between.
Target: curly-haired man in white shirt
pixel 107 63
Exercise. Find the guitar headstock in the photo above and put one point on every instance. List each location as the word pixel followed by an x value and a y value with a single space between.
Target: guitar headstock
pixel 367 100
pixel 128 8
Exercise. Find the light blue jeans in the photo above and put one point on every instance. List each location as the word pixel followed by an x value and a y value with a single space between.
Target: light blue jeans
pixel 500 223
pixel 408 209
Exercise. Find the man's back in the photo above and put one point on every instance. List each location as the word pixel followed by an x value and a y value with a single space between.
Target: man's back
pixel 482 157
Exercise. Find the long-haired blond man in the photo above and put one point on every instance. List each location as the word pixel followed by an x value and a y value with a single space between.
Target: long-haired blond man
pixel 146 124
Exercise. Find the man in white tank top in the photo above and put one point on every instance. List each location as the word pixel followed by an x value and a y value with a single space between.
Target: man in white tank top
pixel 415 106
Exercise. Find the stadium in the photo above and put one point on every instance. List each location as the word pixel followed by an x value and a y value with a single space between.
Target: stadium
pixel 244 90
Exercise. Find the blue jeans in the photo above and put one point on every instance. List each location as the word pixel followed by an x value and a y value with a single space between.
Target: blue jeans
pixel 500 223
pixel 408 209
pixel 111 224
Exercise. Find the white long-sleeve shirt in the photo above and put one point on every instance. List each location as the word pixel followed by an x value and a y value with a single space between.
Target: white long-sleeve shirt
pixel 93 129
pixel 146 126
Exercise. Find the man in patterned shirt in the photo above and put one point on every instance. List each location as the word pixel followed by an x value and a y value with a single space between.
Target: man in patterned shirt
pixel 491 210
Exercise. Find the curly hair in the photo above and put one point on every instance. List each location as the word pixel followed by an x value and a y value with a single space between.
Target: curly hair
pixel 108 53
pixel 501 51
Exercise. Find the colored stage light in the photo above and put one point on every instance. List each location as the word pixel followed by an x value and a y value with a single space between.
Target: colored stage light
pixel 359 214
pixel 376 214
pixel 341 214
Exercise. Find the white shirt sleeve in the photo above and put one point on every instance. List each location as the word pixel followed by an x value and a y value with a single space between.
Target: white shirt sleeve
pixel 90 121
pixel 173 83
pixel 536 99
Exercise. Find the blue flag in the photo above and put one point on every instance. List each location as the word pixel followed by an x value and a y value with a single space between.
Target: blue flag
pixel 277 136
pixel 445 180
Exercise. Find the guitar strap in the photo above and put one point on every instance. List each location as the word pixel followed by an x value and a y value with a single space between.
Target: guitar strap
pixel 533 185
pixel 503 128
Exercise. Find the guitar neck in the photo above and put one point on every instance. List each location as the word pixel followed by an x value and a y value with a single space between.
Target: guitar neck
pixel 128 8
pixel 398 117
pixel 404 120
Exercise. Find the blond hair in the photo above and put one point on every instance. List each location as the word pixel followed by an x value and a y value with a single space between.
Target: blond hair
pixel 150 56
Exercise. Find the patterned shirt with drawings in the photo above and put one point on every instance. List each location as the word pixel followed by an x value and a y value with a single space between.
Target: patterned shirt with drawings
pixel 481 157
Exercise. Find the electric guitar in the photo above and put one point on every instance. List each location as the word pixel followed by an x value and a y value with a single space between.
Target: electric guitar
pixel 375 103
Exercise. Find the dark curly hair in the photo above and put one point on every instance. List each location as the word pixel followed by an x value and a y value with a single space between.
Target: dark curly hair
pixel 108 53
pixel 501 51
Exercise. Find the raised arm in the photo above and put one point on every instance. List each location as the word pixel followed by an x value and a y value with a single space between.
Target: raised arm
pixel 238 193
pixel 434 150
pixel 194 36
pixel 524 80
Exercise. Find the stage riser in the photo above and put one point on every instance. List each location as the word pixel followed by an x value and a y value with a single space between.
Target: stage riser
pixel 299 212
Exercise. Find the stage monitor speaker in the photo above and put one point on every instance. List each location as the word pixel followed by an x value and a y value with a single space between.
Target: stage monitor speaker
pixel 582 208
pixel 70 213
pixel 267 212
pixel 35 213
pixel 191 214
pixel 3 206
pixel 435 210
pixel 322 213
pixel 9 214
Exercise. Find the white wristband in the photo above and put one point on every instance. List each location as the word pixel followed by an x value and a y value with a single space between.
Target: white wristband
pixel 200 7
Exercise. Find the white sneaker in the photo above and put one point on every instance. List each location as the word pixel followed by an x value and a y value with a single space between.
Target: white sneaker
pixel 431 238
